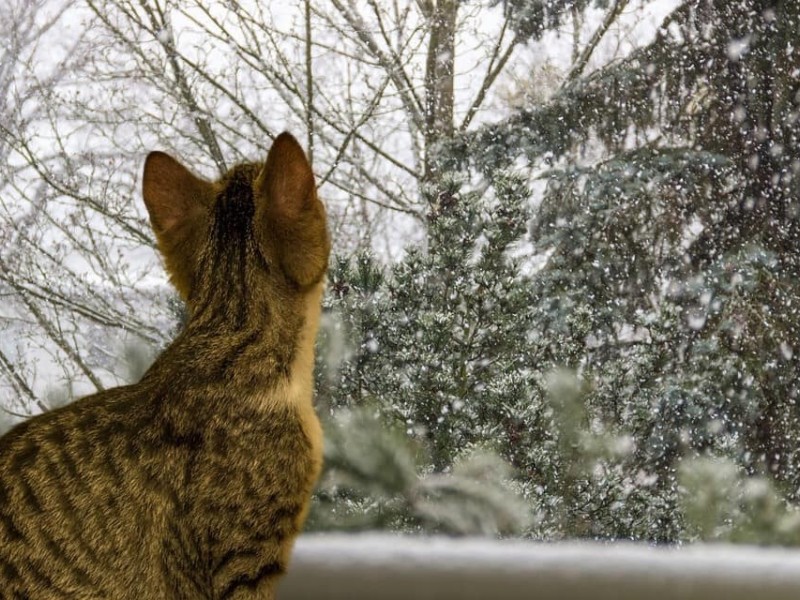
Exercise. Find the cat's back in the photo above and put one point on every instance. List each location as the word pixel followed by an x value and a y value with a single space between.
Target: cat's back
pixel 133 494
pixel 78 501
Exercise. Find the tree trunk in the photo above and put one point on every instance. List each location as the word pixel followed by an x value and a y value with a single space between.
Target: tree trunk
pixel 439 76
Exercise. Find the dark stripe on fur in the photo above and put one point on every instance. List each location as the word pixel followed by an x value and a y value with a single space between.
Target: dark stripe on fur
pixel 251 582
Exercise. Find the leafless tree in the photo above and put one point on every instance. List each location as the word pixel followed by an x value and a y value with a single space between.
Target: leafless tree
pixel 86 89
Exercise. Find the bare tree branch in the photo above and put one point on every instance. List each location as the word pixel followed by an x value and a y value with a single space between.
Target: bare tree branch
pixel 309 84
pixel 20 385
pixel 583 60
pixel 391 64
pixel 497 64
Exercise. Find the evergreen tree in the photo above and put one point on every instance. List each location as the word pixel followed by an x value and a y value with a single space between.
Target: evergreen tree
pixel 671 280
pixel 668 292
pixel 439 345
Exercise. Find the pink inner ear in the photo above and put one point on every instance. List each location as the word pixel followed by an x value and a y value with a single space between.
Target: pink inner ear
pixel 286 182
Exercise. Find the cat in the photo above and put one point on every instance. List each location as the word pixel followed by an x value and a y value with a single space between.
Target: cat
pixel 193 482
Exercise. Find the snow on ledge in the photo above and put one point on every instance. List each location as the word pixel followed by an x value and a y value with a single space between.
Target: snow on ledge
pixel 383 567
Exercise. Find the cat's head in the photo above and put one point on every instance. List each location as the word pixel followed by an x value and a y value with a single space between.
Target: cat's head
pixel 260 227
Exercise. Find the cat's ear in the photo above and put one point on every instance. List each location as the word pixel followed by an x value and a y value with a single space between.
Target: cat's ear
pixel 177 201
pixel 288 208
pixel 286 181
pixel 172 193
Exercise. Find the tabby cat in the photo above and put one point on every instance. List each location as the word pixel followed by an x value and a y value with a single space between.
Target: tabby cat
pixel 193 482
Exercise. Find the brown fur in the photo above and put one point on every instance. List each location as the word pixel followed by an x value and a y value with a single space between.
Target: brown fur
pixel 193 482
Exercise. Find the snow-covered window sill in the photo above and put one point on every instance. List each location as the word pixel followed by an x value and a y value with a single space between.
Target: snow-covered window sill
pixel 372 567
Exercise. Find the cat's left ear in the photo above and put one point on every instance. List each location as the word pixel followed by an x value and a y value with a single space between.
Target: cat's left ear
pixel 172 193
pixel 177 201
pixel 289 209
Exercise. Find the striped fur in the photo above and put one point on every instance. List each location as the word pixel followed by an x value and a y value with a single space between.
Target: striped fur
pixel 193 482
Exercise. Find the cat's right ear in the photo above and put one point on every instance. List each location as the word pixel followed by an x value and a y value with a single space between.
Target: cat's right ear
pixel 287 201
pixel 173 194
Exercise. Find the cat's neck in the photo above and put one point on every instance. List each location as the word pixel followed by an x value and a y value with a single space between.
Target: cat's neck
pixel 297 388
pixel 270 356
